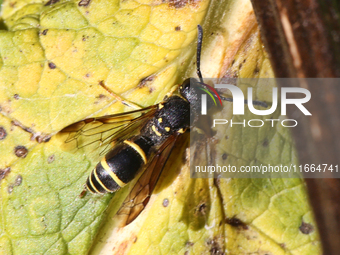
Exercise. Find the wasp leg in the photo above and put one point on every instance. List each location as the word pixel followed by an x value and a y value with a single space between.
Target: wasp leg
pixel 83 193
pixel 120 99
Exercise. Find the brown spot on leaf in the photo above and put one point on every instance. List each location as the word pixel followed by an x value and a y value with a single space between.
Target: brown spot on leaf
pixel 235 222
pixel 51 65
pixel 84 3
pixel 100 97
pixel 43 138
pixel 85 37
pixel 306 228
pixel 178 28
pixel 18 180
pixel 16 96
pixel 188 243
pixel 44 32
pixel 27 129
pixel 145 80
pixel 181 3
pixel 224 156
pixel 202 208
pixel 51 158
pixel 265 143
pixel 3 133
pixel 20 151
pixel 215 247
pixel 4 172
pixel 51 2
pixel 35 136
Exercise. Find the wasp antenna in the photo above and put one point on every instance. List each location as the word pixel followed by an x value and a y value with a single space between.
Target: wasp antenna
pixel 199 47
pixel 226 99
pixel 259 103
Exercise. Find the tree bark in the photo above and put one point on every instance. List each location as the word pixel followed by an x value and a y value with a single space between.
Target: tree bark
pixel 302 38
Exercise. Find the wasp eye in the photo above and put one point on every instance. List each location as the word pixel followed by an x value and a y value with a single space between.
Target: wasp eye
pixel 185 85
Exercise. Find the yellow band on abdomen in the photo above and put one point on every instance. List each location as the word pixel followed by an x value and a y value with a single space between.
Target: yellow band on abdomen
pixel 112 174
pixel 99 181
pixel 92 185
pixel 138 149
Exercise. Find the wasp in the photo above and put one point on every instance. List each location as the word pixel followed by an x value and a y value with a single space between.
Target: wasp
pixel 139 140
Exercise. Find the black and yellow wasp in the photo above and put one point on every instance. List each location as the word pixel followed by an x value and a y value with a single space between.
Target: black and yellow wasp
pixel 139 140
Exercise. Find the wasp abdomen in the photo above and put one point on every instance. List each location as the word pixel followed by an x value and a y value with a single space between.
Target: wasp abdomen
pixel 120 165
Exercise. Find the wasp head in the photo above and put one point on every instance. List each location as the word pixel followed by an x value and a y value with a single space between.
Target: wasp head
pixel 192 90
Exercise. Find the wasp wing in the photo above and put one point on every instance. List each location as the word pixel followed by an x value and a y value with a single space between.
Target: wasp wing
pixel 140 194
pixel 100 134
